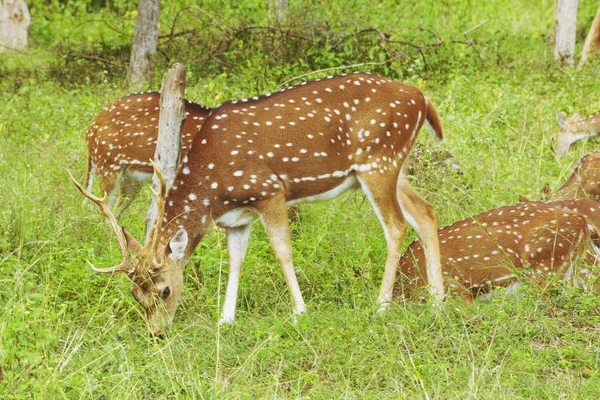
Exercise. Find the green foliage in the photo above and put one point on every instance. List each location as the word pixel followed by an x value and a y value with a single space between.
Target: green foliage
pixel 67 333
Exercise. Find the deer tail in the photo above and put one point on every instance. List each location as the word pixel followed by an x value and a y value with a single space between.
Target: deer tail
pixel 433 122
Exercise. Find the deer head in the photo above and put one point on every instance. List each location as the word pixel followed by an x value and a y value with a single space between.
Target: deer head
pixel 573 130
pixel 156 269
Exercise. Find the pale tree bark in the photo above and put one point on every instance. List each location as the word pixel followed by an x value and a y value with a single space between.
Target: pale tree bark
pixel 592 41
pixel 565 17
pixel 280 7
pixel 145 39
pixel 14 25
pixel 170 125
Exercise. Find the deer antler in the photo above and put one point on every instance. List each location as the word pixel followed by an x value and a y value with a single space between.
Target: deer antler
pixel 115 225
pixel 160 196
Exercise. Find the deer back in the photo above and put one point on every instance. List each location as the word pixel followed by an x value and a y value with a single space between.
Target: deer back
pixel 124 133
pixel 496 248
pixel 584 181
pixel 306 143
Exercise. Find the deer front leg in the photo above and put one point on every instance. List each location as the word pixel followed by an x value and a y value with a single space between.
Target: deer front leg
pixel 274 216
pixel 237 244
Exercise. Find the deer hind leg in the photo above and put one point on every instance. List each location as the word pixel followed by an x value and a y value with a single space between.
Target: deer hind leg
pixel 128 190
pixel 381 192
pixel 273 213
pixel 421 216
pixel 110 183
pixel 237 244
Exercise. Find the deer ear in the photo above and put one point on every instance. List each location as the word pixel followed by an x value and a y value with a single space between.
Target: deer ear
pixel 178 244
pixel 546 192
pixel 574 117
pixel 133 245
pixel 560 118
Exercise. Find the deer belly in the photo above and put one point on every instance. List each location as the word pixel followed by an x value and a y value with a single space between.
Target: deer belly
pixel 237 217
pixel 330 192
pixel 139 177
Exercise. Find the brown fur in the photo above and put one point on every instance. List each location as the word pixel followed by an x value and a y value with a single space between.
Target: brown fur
pixel 121 141
pixel 497 248
pixel 306 143
pixel 583 182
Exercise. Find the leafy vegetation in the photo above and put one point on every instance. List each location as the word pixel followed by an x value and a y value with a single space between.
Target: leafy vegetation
pixel 67 333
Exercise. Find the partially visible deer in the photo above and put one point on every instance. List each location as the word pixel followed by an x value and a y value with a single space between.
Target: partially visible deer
pixel 573 130
pixel 500 247
pixel 251 158
pixel 583 182
pixel 121 142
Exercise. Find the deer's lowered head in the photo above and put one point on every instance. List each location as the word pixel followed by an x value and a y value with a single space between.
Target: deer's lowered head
pixel 573 130
pixel 155 269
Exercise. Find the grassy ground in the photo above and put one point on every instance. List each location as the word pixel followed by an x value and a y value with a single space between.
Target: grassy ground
pixel 66 332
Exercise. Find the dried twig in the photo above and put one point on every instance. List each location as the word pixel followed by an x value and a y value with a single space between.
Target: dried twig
pixel 101 59
pixel 479 25
pixel 172 34
pixel 284 84
pixel 270 29
pixel 92 21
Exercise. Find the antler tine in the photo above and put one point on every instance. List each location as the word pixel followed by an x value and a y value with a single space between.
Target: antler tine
pixel 117 268
pixel 102 203
pixel 160 202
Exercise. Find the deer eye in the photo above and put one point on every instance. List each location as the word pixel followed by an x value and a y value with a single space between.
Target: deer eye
pixel 166 293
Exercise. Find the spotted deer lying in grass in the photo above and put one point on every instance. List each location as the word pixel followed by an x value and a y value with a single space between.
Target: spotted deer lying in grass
pixel 583 182
pixel 498 248
pixel 573 130
pixel 121 142
pixel 251 158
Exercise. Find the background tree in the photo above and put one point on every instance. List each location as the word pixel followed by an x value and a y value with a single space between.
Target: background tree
pixel 280 7
pixel 565 22
pixel 592 41
pixel 144 45
pixel 14 24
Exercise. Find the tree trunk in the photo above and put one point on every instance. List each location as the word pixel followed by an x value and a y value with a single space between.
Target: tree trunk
pixel 280 7
pixel 170 124
pixel 14 23
pixel 144 45
pixel 566 23
pixel 592 41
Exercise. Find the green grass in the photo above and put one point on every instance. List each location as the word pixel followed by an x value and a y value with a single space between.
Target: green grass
pixel 66 332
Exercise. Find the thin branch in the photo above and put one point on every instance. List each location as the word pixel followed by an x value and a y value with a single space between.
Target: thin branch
pixel 101 59
pixel 173 35
pixel 271 29
pixel 165 55
pixel 479 25
pixel 92 21
pixel 284 84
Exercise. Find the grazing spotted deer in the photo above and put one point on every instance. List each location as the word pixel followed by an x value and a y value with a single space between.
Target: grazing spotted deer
pixel 496 248
pixel 121 142
pixel 583 182
pixel 573 130
pixel 251 158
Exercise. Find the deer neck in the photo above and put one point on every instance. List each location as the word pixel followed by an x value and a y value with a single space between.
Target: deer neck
pixel 199 199
pixel 584 128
